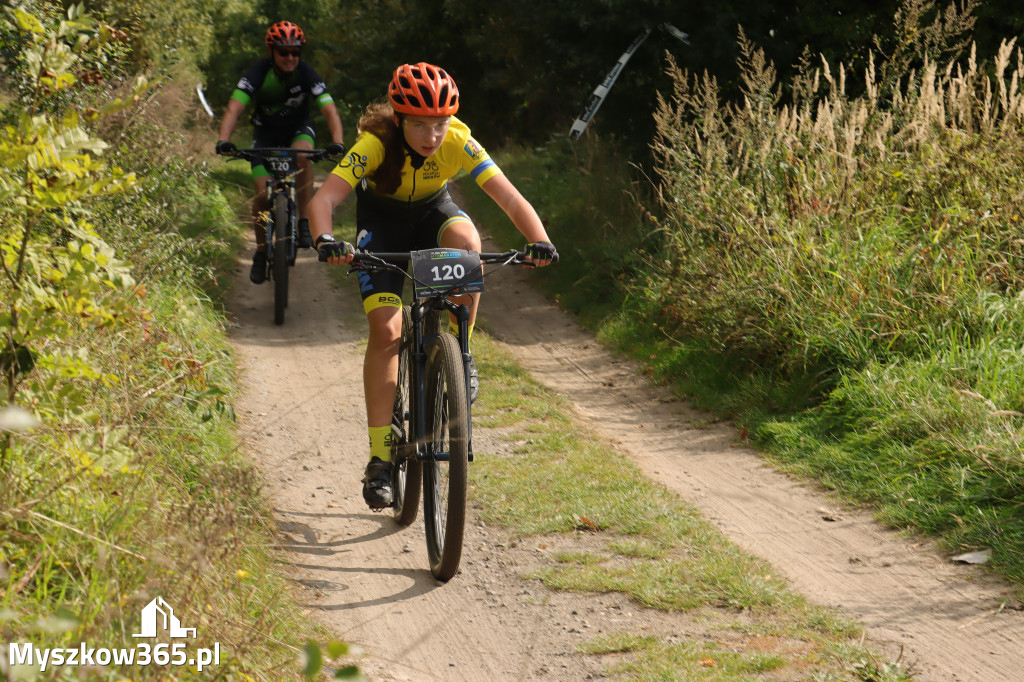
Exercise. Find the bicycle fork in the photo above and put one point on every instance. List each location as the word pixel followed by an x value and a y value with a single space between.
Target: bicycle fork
pixel 463 316
pixel 418 423
pixel 419 372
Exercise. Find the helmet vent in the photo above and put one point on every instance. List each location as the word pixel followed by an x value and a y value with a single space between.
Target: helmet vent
pixel 425 95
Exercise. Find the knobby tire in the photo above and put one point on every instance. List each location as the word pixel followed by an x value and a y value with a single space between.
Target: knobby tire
pixel 445 482
pixel 282 252
pixel 408 471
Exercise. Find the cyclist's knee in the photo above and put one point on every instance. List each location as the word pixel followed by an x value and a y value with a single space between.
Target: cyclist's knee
pixel 385 322
pixel 383 339
pixel 460 234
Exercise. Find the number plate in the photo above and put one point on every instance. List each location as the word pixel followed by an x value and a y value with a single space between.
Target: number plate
pixel 451 271
pixel 279 164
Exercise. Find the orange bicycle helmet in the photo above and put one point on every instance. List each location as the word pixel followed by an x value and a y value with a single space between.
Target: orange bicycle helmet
pixel 285 34
pixel 423 90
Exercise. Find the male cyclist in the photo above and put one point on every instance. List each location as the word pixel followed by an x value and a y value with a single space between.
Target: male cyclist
pixel 280 86
pixel 408 149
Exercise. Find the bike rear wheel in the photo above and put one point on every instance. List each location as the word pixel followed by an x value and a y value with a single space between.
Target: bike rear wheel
pixel 445 471
pixel 408 471
pixel 282 249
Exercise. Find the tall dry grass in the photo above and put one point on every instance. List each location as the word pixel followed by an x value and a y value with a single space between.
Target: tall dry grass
pixel 846 249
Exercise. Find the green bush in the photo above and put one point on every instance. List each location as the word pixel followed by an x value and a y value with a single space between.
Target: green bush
pixel 119 474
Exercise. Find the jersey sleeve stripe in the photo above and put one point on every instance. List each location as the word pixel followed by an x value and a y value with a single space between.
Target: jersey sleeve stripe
pixel 241 96
pixel 481 168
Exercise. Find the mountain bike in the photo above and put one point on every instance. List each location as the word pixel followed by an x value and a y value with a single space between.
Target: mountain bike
pixel 432 439
pixel 282 216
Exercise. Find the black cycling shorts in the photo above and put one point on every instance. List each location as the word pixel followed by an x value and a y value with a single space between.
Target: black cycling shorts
pixel 393 226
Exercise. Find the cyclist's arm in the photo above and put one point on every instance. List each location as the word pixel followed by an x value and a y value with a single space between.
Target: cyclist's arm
pixel 330 112
pixel 231 114
pixel 332 192
pixel 519 210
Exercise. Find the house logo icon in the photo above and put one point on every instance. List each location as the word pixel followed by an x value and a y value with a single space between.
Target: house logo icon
pixel 158 615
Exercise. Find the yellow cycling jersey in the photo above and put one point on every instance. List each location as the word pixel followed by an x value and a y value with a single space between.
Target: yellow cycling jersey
pixel 458 151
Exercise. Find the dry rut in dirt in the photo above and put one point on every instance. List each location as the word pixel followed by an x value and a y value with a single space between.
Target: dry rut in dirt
pixel 367 579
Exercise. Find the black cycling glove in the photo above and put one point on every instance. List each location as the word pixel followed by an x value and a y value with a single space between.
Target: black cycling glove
pixel 226 147
pixel 542 251
pixel 326 247
pixel 335 149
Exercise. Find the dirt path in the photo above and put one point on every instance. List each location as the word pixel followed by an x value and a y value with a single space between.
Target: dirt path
pixel 366 579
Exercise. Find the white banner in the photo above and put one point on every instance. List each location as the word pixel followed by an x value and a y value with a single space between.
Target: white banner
pixel 594 102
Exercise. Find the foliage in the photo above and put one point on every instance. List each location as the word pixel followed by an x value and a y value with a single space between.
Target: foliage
pixel 118 477
pixel 163 34
pixel 594 206
pixel 526 68
pixel 813 218
pixel 860 252
pixel 58 272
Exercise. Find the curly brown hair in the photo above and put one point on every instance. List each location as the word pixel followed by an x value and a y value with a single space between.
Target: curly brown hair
pixel 379 119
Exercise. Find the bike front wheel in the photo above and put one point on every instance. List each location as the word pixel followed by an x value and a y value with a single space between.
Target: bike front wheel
pixel 282 249
pixel 408 471
pixel 445 470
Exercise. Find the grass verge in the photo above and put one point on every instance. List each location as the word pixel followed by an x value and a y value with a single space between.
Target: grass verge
pixel 629 535
pixel 152 500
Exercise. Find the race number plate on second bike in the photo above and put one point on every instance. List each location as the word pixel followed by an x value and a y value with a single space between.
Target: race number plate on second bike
pixel 437 271
pixel 279 164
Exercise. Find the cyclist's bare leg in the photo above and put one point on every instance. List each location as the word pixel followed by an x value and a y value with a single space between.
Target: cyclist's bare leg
pixel 304 178
pixel 259 205
pixel 380 377
pixel 461 233
pixel 380 364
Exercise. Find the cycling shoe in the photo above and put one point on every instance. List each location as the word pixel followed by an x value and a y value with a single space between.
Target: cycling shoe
pixel 377 484
pixel 258 272
pixel 305 238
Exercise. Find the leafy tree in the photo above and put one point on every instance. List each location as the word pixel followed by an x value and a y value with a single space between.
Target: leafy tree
pixel 57 272
pixel 527 68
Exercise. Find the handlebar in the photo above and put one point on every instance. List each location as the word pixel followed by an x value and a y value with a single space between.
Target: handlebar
pixel 438 282
pixel 380 258
pixel 259 154
pixel 511 257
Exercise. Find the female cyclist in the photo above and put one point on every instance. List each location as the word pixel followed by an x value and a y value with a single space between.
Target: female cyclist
pixel 407 150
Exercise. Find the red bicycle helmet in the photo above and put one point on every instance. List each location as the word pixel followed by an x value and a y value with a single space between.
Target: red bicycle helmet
pixel 423 90
pixel 285 34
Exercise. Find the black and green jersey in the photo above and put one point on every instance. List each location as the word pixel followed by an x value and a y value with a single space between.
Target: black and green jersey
pixel 278 102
